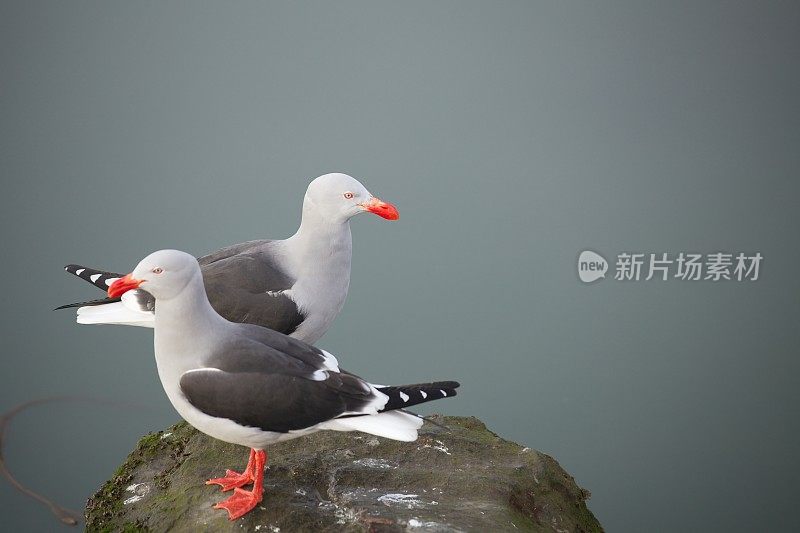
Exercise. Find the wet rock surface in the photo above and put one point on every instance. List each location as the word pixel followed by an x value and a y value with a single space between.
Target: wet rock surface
pixel 463 478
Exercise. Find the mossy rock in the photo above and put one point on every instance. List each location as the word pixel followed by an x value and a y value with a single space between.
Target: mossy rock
pixel 463 478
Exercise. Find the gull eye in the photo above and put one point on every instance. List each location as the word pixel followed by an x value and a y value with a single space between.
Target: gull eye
pixel 348 195
pixel 157 270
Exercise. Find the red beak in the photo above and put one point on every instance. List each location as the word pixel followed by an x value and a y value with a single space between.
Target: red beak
pixel 381 208
pixel 122 285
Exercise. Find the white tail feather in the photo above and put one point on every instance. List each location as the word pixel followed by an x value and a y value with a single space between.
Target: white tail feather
pixel 391 424
pixel 115 313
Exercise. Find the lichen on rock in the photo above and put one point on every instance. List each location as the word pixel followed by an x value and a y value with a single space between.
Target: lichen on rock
pixel 463 478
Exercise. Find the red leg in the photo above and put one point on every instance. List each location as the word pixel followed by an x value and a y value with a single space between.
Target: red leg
pixel 243 501
pixel 232 479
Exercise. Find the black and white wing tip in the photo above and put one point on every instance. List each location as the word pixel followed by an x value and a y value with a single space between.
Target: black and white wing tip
pixel 99 278
pixel 403 396
pixel 88 303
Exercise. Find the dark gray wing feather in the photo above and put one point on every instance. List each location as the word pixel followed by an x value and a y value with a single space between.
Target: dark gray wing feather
pixel 228 251
pixel 288 346
pixel 261 378
pixel 248 288
pixel 242 355
pixel 264 379
pixel 271 402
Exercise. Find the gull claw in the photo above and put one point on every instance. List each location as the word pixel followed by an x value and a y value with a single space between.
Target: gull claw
pixel 241 503
pixel 232 480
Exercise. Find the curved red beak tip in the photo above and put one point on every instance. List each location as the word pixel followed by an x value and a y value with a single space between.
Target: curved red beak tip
pixel 122 285
pixel 382 209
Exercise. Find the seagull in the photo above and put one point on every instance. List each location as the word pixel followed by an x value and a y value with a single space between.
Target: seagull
pixel 252 386
pixel 296 286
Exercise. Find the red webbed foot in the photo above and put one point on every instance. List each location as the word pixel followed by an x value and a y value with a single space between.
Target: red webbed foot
pixel 243 501
pixel 232 480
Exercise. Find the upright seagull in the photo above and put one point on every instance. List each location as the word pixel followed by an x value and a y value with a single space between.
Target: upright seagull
pixel 296 286
pixel 252 386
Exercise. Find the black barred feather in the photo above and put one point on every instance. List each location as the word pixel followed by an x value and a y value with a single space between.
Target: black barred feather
pixel 98 278
pixel 88 303
pixel 402 396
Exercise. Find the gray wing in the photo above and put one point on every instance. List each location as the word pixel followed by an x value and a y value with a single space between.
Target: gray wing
pixel 245 285
pixel 255 349
pixel 228 251
pixel 243 282
pixel 248 286
pixel 271 402
pixel 260 385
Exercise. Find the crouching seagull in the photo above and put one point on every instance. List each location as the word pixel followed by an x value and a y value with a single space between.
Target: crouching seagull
pixel 249 385
pixel 296 286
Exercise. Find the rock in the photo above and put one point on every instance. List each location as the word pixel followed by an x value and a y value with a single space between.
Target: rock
pixel 463 478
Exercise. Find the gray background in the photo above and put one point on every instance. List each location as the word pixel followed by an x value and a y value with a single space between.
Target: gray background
pixel 511 135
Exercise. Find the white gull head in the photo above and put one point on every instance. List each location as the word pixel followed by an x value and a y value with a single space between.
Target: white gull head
pixel 164 274
pixel 338 197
